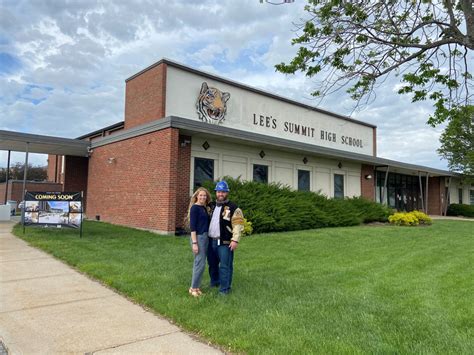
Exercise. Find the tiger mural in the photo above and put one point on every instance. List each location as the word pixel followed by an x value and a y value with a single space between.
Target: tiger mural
pixel 211 104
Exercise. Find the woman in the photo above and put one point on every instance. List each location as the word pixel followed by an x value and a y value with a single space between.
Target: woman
pixel 198 217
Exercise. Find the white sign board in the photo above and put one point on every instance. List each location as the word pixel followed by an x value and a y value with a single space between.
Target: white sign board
pixel 259 113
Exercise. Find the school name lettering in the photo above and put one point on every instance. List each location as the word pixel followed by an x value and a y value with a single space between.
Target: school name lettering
pixel 54 197
pixel 307 131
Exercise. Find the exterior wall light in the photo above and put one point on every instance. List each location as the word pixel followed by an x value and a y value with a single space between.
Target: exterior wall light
pixel 111 160
pixel 185 142
pixel 368 177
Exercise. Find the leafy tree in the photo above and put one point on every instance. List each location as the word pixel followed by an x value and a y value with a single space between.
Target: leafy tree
pixel 457 141
pixel 17 170
pixel 357 44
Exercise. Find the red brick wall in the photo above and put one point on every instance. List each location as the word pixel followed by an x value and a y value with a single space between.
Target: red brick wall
pixel 2 193
pixel 184 174
pixel 138 188
pixel 145 97
pixel 15 189
pixel 3 186
pixel 435 195
pixel 367 187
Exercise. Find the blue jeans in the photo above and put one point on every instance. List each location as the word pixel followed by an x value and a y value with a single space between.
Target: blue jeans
pixel 220 259
pixel 199 260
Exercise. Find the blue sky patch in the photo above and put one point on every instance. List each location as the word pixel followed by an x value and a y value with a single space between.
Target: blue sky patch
pixel 8 63
pixel 28 91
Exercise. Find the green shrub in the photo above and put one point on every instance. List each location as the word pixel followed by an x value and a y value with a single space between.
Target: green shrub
pixel 370 211
pixel 456 209
pixel 413 218
pixel 275 207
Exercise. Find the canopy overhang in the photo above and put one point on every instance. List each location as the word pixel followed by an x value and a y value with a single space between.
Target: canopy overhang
pixel 34 143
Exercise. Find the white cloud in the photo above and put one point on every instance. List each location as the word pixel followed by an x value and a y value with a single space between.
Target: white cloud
pixel 76 55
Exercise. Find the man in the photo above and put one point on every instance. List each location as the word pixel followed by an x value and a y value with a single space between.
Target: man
pixel 227 224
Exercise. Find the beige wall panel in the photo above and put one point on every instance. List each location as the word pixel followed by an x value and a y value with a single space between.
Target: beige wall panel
pixel 284 176
pixel 353 185
pixel 234 169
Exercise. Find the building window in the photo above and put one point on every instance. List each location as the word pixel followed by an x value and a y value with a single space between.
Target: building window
pixel 303 180
pixel 338 186
pixel 460 195
pixel 260 173
pixel 203 171
pixel 471 197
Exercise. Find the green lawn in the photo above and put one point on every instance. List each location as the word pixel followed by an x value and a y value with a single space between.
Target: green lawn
pixel 343 290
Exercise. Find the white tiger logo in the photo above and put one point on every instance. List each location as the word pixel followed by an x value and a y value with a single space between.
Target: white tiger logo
pixel 211 104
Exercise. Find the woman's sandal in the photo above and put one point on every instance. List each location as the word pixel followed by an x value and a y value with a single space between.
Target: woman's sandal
pixel 195 292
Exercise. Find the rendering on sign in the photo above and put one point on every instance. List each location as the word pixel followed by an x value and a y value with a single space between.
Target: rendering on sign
pixel 212 104
pixel 60 209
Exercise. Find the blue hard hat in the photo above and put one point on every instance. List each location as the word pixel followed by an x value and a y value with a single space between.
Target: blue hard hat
pixel 222 186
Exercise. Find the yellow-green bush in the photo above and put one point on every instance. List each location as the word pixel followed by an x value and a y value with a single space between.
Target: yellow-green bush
pixel 248 229
pixel 423 218
pixel 413 218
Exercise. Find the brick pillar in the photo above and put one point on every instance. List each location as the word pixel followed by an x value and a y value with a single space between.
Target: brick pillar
pixel 145 96
pixel 183 178
pixel 435 195
pixel 54 168
pixel 367 186
pixel 75 175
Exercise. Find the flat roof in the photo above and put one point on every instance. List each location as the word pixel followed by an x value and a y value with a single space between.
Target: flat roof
pixel 111 127
pixel 248 88
pixel 18 142
pixel 188 126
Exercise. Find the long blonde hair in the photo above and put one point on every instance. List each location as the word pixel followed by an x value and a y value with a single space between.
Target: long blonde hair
pixel 193 201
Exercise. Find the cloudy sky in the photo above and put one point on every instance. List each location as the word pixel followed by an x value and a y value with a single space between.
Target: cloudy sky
pixel 63 65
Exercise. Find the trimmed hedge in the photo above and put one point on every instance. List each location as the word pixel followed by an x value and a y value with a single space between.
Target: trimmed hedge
pixel 275 207
pixel 456 209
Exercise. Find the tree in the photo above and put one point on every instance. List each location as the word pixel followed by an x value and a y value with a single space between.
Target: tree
pixel 17 170
pixel 357 44
pixel 457 142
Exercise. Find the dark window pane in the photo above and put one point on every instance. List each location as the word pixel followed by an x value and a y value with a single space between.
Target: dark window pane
pixel 203 171
pixel 471 197
pixel 260 173
pixel 338 186
pixel 303 180
pixel 460 195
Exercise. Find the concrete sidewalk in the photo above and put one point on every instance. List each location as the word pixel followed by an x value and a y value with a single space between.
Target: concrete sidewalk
pixel 48 307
